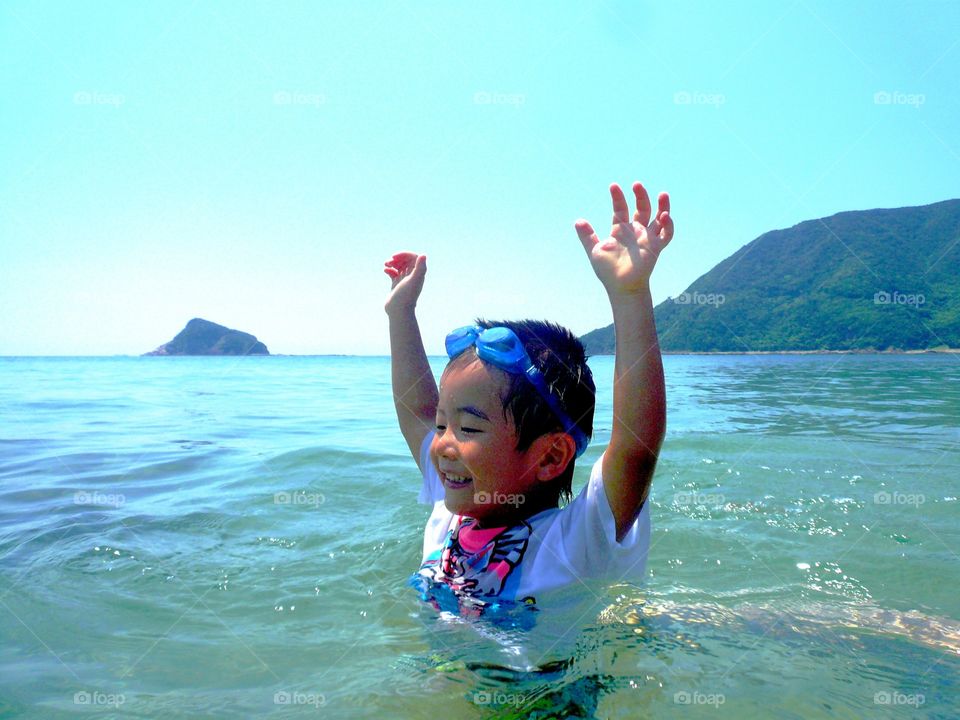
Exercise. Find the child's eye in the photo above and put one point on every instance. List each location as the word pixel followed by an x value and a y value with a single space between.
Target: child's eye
pixel 442 428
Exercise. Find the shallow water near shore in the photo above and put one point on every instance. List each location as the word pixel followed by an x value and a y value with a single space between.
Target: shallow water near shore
pixel 223 537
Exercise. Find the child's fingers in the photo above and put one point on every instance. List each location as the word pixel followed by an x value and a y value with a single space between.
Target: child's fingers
pixel 402 260
pixel 420 266
pixel 621 213
pixel 405 262
pixel 666 227
pixel 586 234
pixel 642 215
pixel 392 267
pixel 663 203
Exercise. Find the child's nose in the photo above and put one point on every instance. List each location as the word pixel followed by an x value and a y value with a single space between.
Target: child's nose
pixel 446 447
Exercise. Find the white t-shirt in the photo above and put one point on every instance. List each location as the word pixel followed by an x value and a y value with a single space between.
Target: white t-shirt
pixel 550 550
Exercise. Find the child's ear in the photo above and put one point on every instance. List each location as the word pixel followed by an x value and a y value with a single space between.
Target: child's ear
pixel 555 451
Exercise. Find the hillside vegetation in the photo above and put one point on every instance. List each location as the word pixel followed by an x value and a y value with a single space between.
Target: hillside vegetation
pixel 866 280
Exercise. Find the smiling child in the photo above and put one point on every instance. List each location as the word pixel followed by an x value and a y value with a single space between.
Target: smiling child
pixel 498 441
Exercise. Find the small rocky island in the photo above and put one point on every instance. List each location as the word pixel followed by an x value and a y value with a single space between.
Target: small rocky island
pixel 202 337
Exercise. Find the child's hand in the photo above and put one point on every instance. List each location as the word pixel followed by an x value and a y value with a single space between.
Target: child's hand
pixel 625 260
pixel 407 271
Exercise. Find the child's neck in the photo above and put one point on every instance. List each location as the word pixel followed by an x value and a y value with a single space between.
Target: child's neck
pixel 516 516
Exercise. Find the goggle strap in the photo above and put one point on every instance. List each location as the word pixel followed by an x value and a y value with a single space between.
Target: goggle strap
pixel 579 437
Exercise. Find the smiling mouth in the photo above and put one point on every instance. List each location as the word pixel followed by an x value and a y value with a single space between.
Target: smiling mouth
pixel 455 482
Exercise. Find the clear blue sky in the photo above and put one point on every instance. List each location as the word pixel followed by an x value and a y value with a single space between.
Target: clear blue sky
pixel 255 163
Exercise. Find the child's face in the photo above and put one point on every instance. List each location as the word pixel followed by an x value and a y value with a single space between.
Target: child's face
pixel 474 450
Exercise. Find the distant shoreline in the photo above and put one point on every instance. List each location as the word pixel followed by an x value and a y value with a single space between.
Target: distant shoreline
pixel 938 351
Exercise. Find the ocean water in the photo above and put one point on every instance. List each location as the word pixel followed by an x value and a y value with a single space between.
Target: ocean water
pixel 232 537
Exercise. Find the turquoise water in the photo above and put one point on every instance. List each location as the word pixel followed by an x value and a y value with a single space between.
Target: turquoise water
pixel 230 537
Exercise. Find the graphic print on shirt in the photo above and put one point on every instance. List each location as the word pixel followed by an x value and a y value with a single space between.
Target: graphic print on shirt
pixel 477 571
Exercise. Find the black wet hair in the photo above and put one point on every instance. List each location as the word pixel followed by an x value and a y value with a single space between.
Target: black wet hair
pixel 559 355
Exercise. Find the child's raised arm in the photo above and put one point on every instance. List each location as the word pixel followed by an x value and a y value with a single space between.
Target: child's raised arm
pixel 624 263
pixel 415 393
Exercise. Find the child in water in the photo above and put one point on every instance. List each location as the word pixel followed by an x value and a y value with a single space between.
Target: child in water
pixel 497 443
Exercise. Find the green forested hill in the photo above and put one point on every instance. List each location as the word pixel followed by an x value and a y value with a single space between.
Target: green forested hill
pixel 865 280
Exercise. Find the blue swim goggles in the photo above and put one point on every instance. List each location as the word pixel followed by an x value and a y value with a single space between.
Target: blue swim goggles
pixel 500 347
